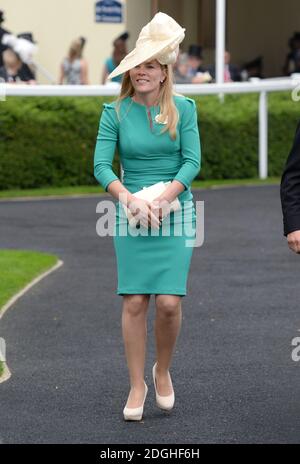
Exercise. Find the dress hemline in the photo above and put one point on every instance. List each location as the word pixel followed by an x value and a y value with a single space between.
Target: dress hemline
pixel 151 292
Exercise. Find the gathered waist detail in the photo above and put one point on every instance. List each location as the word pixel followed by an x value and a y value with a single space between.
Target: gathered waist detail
pixel 148 178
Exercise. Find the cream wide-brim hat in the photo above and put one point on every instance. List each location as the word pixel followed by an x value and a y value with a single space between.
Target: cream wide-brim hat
pixel 159 39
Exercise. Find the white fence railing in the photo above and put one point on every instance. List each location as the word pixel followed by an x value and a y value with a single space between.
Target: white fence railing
pixel 261 86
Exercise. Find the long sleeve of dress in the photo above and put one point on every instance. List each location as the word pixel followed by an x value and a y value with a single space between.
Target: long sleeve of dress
pixel 290 188
pixel 190 145
pixel 105 146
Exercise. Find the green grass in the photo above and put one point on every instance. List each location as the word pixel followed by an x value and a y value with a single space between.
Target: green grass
pixel 220 182
pixel 89 189
pixel 18 268
pixel 73 190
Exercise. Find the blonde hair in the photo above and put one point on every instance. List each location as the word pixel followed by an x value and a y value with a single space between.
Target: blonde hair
pixel 75 50
pixel 165 99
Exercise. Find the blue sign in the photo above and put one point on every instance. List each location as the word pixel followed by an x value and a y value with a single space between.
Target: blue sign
pixel 108 11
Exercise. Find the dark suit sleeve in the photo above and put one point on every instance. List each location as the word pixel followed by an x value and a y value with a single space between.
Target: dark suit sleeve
pixel 290 188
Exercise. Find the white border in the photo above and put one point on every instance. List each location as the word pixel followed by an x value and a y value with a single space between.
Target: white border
pixel 6 373
pixel 13 299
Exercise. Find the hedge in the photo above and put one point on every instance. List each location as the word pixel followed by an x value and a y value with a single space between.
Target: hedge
pixel 50 141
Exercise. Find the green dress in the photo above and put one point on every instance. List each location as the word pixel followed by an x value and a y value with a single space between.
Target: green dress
pixel 149 260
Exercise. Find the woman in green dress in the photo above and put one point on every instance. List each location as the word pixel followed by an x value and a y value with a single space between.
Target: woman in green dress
pixel 156 132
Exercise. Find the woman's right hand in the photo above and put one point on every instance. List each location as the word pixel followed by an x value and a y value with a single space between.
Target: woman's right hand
pixel 142 213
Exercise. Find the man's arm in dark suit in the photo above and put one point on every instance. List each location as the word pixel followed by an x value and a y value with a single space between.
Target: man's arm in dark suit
pixel 290 188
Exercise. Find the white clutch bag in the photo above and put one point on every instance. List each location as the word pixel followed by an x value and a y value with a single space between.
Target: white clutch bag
pixel 149 194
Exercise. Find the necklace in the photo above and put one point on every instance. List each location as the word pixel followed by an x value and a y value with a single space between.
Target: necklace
pixel 150 119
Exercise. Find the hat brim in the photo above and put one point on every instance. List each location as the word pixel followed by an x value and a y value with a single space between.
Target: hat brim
pixel 141 54
pixel 25 38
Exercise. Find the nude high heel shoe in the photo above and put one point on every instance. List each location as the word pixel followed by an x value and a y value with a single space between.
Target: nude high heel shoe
pixel 135 413
pixel 164 402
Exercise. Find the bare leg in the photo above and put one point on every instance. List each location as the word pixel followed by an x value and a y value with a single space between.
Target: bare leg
pixel 134 329
pixel 167 327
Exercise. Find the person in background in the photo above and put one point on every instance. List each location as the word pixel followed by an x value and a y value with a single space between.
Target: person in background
pixel 28 68
pixel 181 76
pixel 296 62
pixel 74 68
pixel 290 195
pixel 252 69
pixel 292 61
pixel 195 60
pixel 2 32
pixel 119 52
pixel 231 71
pixel 13 71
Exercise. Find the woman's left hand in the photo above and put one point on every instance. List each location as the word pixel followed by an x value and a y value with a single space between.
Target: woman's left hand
pixel 160 206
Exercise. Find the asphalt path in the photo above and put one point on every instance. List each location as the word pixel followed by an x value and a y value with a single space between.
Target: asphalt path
pixel 233 374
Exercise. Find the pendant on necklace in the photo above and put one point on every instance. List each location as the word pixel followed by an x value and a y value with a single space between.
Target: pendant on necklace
pixel 159 120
